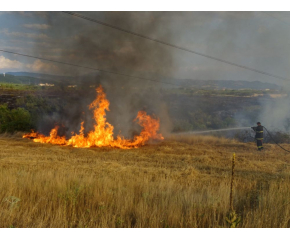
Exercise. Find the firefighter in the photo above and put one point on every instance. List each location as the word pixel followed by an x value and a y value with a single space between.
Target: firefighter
pixel 259 135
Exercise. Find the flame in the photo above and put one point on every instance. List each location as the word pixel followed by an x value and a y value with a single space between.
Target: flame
pixel 102 134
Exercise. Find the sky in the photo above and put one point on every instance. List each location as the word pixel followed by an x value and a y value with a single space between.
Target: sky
pixel 258 40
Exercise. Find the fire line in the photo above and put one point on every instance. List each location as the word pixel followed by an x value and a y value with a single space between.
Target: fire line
pixel 102 134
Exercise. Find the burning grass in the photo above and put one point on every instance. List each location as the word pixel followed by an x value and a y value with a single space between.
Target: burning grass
pixel 102 135
pixel 169 184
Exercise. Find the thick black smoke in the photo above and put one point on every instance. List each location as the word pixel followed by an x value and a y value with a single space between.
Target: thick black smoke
pixel 252 39
pixel 100 47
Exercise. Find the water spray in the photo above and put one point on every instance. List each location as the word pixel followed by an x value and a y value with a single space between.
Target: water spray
pixel 230 129
pixel 216 130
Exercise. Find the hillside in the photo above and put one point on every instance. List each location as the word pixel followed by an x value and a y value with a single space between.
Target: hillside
pixel 225 84
pixel 181 182
pixel 91 78
pixel 17 79
pixel 31 74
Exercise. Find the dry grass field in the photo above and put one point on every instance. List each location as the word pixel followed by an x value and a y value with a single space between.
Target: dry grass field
pixel 183 181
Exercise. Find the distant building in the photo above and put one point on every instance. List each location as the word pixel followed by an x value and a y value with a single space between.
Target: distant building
pixel 4 74
pixel 46 84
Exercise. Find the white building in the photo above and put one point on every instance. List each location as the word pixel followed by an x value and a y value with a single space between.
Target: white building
pixel 44 84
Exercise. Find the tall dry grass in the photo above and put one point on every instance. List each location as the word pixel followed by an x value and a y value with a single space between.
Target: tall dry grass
pixel 170 184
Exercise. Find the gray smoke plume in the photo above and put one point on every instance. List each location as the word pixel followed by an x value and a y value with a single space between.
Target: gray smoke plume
pixel 96 46
pixel 252 39
pixel 275 113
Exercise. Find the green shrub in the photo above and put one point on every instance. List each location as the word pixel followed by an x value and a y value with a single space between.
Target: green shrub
pixel 14 120
pixel 39 107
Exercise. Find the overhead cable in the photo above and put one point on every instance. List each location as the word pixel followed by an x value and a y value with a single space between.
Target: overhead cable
pixel 275 141
pixel 280 20
pixel 175 46
pixel 91 68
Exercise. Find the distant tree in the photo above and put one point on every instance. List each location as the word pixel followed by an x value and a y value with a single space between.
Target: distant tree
pixel 14 120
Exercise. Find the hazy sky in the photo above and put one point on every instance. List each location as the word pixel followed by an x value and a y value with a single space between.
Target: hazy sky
pixel 254 39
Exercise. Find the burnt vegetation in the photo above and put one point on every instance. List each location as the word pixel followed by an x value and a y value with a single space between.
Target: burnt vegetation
pixel 197 107
pixel 181 181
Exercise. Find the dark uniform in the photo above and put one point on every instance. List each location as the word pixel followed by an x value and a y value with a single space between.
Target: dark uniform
pixel 259 136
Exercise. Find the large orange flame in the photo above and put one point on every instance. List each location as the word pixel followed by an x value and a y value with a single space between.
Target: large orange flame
pixel 102 135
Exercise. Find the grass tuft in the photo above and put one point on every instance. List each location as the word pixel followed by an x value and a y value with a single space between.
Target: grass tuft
pixel 181 182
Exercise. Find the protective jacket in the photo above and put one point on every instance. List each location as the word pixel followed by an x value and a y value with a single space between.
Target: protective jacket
pixel 259 132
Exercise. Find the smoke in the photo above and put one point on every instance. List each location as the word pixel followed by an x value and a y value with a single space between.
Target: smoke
pixel 92 45
pixel 248 38
pixel 275 114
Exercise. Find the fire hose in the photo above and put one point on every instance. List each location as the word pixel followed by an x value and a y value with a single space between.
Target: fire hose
pixel 228 129
pixel 275 141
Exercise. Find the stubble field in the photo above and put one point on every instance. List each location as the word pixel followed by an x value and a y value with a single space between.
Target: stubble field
pixel 183 181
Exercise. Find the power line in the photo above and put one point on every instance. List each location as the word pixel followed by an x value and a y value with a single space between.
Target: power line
pixel 91 68
pixel 106 71
pixel 174 46
pixel 280 20
pixel 276 142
